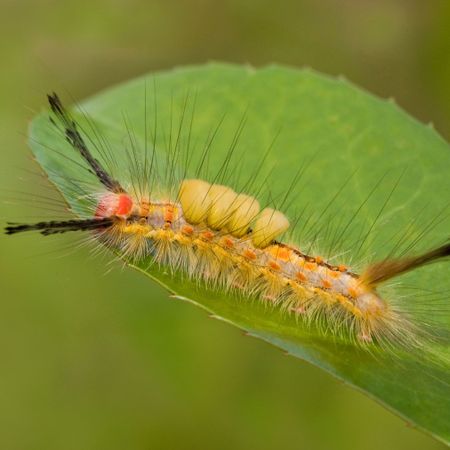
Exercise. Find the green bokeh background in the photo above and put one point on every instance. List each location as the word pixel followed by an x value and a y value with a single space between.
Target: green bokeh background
pixel 94 358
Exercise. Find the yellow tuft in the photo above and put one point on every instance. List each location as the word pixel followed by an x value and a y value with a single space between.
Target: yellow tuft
pixel 268 226
pixel 244 211
pixel 194 200
pixel 221 199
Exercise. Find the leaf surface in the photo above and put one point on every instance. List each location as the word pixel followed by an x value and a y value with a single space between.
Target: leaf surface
pixel 370 176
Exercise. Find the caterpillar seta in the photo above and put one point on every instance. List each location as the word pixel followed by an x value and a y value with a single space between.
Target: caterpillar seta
pixel 223 238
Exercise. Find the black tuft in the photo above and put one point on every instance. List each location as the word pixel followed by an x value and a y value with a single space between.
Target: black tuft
pixel 77 142
pixel 55 227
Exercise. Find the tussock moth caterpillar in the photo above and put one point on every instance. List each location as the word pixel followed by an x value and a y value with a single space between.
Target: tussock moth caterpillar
pixel 221 237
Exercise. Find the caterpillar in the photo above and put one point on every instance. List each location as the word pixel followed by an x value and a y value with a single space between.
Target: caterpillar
pixel 212 233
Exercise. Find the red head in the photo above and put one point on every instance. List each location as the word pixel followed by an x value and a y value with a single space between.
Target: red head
pixel 111 204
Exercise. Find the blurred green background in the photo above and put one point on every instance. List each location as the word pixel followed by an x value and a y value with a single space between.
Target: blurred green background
pixel 93 358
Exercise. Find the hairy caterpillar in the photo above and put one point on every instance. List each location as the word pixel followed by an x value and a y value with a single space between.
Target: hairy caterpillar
pixel 221 237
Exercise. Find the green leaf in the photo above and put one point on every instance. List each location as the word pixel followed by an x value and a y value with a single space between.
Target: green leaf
pixel 372 176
